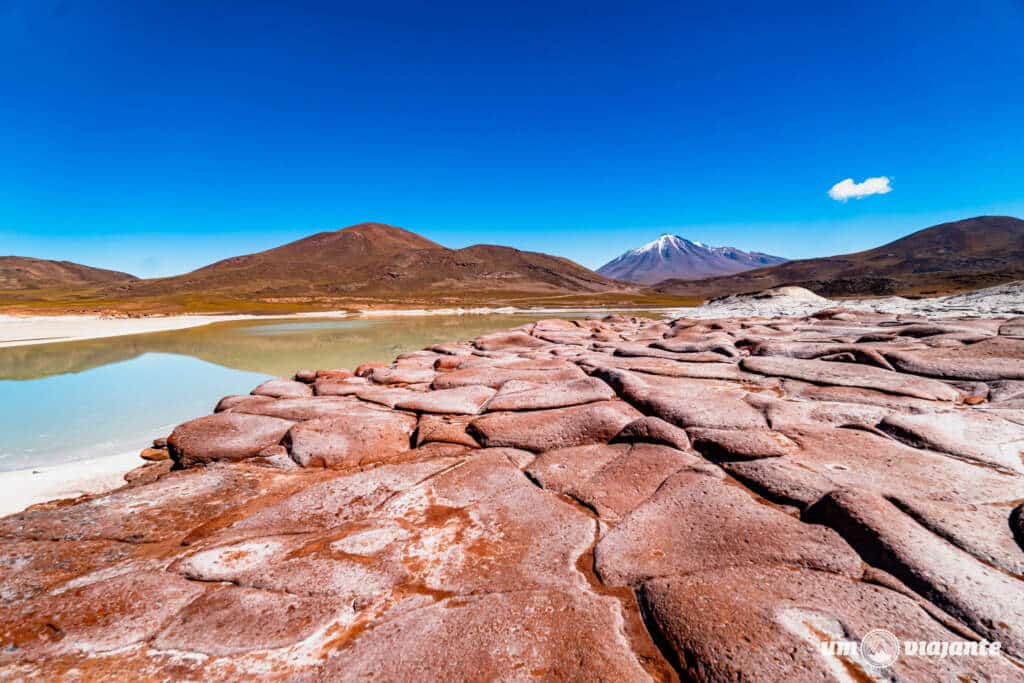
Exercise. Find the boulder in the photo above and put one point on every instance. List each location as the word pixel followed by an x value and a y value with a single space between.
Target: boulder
pixel 991 359
pixel 844 374
pixel 466 400
pixel 305 376
pixel 352 439
pixel 310 408
pixel 336 373
pixel 1012 328
pixel 365 369
pixel 740 444
pixel 540 430
pixel 561 468
pixel 836 458
pixel 697 343
pixel 686 404
pixel 168 509
pixel 224 436
pixel 445 429
pixel 154 454
pixel 282 388
pixel 653 430
pixel 972 435
pixel 402 375
pixel 235 401
pixel 697 522
pixel 508 341
pixel 495 377
pixel 1005 390
pixel 623 483
pixel 983 530
pixel 644 351
pixel 516 395
pixel 664 367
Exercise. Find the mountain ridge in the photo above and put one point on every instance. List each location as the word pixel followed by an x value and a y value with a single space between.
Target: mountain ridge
pixel 942 259
pixel 379 260
pixel 674 256
pixel 27 272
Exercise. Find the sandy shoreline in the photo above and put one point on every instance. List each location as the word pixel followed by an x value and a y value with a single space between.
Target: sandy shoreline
pixel 49 329
pixel 68 480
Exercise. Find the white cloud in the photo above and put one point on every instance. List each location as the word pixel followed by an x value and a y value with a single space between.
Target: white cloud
pixel 847 189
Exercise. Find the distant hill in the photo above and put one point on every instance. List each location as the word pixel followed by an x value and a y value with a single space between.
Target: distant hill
pixel 671 256
pixel 22 272
pixel 951 257
pixel 372 260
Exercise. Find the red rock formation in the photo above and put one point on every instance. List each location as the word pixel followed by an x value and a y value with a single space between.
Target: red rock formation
pixel 613 499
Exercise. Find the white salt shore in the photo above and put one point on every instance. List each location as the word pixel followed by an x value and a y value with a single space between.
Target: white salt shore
pixel 1000 301
pixel 22 488
pixel 16 330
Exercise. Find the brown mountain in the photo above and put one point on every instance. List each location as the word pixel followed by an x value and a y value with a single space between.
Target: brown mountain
pixel 951 257
pixel 377 261
pixel 22 272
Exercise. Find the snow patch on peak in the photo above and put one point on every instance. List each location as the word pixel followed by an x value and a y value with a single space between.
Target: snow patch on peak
pixel 665 242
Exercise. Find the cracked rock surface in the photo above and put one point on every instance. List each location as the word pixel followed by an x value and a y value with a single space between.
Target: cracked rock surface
pixel 611 499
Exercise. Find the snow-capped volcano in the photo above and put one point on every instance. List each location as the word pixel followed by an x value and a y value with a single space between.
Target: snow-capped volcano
pixel 672 256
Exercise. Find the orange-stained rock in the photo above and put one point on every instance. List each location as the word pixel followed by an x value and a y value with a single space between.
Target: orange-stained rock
pixel 97 617
pixel 167 509
pixel 542 634
pixel 496 509
pixel 225 436
pixel 231 620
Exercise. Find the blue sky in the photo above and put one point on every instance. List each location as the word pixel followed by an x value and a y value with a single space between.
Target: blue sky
pixel 156 137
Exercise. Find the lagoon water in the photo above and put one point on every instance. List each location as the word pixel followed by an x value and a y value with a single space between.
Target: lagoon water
pixel 75 400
